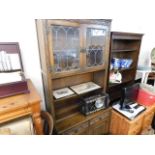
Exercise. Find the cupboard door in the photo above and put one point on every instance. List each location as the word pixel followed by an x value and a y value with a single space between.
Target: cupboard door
pixel 147 120
pixel 81 129
pixel 95 45
pixel 100 124
pixel 100 128
pixel 64 46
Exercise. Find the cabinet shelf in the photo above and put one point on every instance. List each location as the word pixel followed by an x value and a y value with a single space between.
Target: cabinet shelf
pixel 78 72
pixel 75 96
pixel 68 108
pixel 67 123
pixel 65 98
pixel 123 50
pixel 122 70
pixel 116 84
pixel 67 115
pixel 124 46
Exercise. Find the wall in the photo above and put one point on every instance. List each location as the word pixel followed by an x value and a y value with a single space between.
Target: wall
pixel 24 32
pixel 17 24
pixel 139 25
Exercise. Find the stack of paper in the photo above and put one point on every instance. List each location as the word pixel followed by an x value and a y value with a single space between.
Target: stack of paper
pixel 10 77
pixel 9 62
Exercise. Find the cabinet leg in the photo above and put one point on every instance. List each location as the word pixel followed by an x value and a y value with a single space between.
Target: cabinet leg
pixel 38 124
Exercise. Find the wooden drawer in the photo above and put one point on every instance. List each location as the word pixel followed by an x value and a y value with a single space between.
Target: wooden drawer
pixel 135 131
pixel 148 120
pixel 136 126
pixel 99 119
pixel 81 129
pixel 102 128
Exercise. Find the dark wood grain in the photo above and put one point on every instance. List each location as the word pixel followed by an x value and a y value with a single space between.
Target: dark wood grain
pixel 66 111
pixel 124 45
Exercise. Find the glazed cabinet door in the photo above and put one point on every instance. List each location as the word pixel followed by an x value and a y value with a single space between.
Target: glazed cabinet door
pixel 76 47
pixel 64 46
pixel 96 39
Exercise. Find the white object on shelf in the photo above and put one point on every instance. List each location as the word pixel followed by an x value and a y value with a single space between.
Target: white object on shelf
pixel 9 62
pixel 85 87
pixel 115 77
pixel 59 93
pixel 15 61
pixel 10 77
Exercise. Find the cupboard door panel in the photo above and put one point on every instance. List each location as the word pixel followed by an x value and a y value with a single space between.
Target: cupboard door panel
pixel 95 44
pixel 148 120
pixel 102 128
pixel 66 48
pixel 100 124
pixel 99 119
pixel 134 131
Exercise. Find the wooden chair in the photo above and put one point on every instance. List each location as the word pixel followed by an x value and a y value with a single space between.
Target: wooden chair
pixel 24 125
pixel 48 123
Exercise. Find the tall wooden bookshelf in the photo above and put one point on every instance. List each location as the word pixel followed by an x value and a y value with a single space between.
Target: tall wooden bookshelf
pixel 68 58
pixel 123 46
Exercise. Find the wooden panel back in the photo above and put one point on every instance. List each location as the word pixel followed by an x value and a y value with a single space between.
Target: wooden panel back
pixel 72 80
pixel 125 44
pixel 99 78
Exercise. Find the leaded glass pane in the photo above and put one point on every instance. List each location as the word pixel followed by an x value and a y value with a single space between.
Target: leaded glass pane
pixel 95 45
pixel 66 46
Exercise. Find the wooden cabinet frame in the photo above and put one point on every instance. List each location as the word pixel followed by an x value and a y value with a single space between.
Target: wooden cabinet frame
pixel 52 81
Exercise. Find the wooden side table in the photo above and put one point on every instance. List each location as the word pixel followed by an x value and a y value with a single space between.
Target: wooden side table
pixel 120 125
pixel 21 105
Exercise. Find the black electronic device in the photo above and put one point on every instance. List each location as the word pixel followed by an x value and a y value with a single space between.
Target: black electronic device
pixel 94 102
pixel 128 105
pixel 129 96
